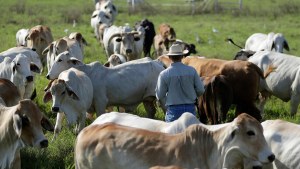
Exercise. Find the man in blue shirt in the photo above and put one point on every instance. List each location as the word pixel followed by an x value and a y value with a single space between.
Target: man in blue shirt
pixel 178 86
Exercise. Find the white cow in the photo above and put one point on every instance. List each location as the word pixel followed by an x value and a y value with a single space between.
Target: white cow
pixel 122 40
pixel 21 37
pixel 21 126
pixel 61 45
pixel 284 81
pixel 124 85
pixel 100 21
pixel 271 41
pixel 19 71
pixel 108 7
pixel 72 93
pixel 116 146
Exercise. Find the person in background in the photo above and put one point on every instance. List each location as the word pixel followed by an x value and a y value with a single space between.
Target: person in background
pixel 178 86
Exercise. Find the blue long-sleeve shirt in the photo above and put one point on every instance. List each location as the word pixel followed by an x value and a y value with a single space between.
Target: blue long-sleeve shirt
pixel 179 84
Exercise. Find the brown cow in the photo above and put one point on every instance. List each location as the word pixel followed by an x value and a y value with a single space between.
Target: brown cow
pixel 240 83
pixel 120 147
pixel 163 39
pixel 39 37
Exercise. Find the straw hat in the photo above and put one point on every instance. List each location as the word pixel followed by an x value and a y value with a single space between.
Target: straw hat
pixel 176 50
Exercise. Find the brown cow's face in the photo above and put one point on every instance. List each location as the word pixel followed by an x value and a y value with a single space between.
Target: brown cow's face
pixel 37 40
pixel 29 122
pixel 248 136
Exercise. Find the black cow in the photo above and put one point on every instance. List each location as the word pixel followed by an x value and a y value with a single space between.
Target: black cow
pixel 149 35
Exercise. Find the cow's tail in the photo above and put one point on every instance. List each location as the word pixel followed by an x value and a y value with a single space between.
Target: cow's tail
pixel 231 41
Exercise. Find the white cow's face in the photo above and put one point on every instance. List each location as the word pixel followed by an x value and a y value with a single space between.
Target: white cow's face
pixel 247 135
pixel 108 8
pixel 100 17
pixel 62 62
pixel 23 68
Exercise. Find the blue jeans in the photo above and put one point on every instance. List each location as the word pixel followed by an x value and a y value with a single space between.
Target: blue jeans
pixel 175 111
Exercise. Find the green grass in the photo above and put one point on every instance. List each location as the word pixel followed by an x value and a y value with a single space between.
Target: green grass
pixel 256 16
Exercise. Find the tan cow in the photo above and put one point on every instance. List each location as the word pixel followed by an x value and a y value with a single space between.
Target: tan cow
pixel 163 39
pixel 115 146
pixel 9 92
pixel 21 126
pixel 39 37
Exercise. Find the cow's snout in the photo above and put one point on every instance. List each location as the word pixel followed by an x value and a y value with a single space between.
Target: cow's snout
pixel 128 51
pixel 55 109
pixel 48 77
pixel 29 78
pixel 271 158
pixel 44 143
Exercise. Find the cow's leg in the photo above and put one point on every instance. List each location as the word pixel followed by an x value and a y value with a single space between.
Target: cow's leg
pixel 295 100
pixel 100 106
pixel 80 123
pixel 150 106
pixel 58 124
pixel 262 100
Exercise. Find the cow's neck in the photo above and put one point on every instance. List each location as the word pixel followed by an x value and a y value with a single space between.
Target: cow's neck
pixel 9 141
pixel 224 148
pixel 201 146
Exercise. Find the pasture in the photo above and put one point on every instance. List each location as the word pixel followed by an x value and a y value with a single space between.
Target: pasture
pixel 207 29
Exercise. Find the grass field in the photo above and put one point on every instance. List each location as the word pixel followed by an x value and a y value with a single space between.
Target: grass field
pixel 256 16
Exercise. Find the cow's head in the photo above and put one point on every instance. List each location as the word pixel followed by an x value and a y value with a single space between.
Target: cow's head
pixel 39 37
pixel 243 55
pixel 80 39
pixel 279 43
pixel 114 60
pixel 22 68
pixel 62 62
pixel 245 134
pixel 28 122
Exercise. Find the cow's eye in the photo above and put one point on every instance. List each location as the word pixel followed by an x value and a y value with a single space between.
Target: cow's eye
pixel 59 60
pixel 18 64
pixel 250 133
pixel 105 7
pixel 63 92
pixel 25 120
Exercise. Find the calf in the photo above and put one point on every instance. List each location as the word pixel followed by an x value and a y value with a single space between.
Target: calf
pixel 116 146
pixel 21 126
pixel 72 93
pixel 115 59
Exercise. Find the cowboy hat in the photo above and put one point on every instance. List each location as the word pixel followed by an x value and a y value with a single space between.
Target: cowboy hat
pixel 176 50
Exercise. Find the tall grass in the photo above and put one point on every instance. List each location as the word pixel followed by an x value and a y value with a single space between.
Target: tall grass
pixel 256 16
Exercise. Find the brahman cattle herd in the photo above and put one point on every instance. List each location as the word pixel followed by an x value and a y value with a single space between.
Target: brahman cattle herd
pixel 135 58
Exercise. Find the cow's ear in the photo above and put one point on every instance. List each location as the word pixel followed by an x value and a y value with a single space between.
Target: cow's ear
pixel 71 93
pixel 47 49
pixel 34 68
pixel 74 61
pixel 47 96
pixel 46 124
pixel 17 124
pixel 286 46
